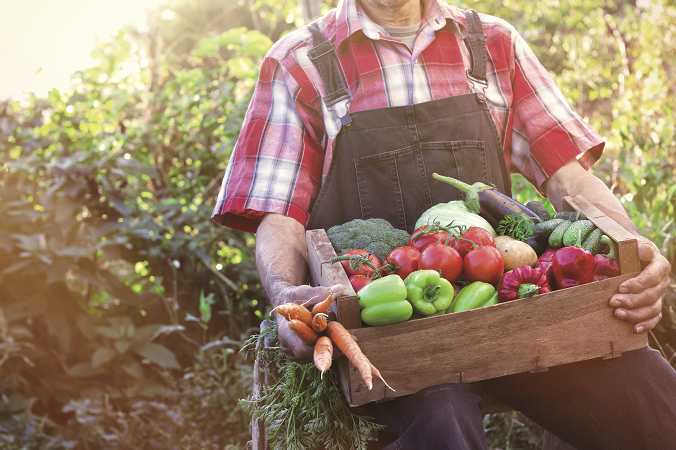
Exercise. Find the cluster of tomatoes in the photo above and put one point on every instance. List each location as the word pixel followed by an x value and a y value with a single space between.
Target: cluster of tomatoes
pixel 472 254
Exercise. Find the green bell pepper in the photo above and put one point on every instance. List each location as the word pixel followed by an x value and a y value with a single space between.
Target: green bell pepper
pixel 428 292
pixel 474 295
pixel 383 302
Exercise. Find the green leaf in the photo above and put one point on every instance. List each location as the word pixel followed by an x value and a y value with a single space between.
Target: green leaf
pixel 133 368
pixel 102 356
pixel 158 354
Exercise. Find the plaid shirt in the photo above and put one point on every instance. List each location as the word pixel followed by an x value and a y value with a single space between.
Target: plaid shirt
pixel 287 140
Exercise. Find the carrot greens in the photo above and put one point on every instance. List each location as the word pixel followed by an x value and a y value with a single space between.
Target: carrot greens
pixel 302 409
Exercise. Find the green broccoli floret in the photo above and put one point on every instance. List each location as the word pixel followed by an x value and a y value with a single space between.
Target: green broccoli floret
pixel 376 236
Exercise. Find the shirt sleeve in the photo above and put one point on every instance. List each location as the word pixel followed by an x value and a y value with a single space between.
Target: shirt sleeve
pixel 276 163
pixel 546 132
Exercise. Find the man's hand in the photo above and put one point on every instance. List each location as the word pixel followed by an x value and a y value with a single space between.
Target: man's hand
pixel 295 349
pixel 640 298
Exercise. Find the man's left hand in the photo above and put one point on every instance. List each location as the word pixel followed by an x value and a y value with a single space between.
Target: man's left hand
pixel 640 298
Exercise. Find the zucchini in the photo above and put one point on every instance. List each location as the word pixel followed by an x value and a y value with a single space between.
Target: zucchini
pixel 577 233
pixel 542 230
pixel 539 209
pixel 593 241
pixel 556 238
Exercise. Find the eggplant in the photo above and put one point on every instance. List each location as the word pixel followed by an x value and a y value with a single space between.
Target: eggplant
pixel 488 202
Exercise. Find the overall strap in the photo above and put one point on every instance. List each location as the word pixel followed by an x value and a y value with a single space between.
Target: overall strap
pixel 476 44
pixel 324 58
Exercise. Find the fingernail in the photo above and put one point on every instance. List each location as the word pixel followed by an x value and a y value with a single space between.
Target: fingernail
pixel 615 303
pixel 621 314
pixel 639 330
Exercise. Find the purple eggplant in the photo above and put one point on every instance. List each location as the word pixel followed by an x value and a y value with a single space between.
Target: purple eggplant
pixel 488 202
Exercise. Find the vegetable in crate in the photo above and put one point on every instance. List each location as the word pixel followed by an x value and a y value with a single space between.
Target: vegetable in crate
pixel 516 253
pixel 429 234
pixel 572 266
pixel 474 295
pixel 384 302
pixel 522 282
pixel 486 201
pixel 517 225
pixel 607 265
pixel 358 262
pixel 539 209
pixel 443 259
pixel 453 213
pixel 428 292
pixel 544 263
pixel 483 264
pixel 402 261
pixel 376 236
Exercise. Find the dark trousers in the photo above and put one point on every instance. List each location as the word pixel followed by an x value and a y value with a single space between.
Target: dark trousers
pixel 623 403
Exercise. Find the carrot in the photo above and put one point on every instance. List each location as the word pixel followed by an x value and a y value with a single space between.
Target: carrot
pixel 346 344
pixel 376 372
pixel 323 354
pixel 292 311
pixel 323 306
pixel 304 332
pixel 319 322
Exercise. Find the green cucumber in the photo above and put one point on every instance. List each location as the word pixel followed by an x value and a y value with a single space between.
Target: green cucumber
pixel 593 241
pixel 577 233
pixel 556 238
pixel 542 230
pixel 565 215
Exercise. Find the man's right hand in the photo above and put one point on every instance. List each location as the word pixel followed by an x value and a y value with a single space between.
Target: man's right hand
pixel 292 346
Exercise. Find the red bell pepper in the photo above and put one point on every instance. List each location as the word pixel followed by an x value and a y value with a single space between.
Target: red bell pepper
pixel 606 265
pixel 522 282
pixel 545 262
pixel 572 266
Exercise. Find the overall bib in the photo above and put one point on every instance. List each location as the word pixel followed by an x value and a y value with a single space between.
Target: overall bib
pixel 384 158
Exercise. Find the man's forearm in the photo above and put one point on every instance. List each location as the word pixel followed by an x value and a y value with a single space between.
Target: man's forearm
pixel 572 179
pixel 281 254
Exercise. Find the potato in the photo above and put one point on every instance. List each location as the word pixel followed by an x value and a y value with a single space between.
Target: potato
pixel 515 253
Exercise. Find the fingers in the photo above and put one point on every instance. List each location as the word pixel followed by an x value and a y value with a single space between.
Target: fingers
pixel 648 324
pixel 656 272
pixel 293 347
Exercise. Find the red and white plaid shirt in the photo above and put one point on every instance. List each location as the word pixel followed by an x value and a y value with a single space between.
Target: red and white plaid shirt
pixel 285 148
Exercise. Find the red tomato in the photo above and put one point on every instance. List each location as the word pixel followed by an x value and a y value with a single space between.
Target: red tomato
pixel 483 264
pixel 480 236
pixel 405 259
pixel 362 269
pixel 438 256
pixel 359 281
pixel 425 239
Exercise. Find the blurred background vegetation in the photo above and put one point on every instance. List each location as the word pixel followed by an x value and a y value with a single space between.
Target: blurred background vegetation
pixel 123 307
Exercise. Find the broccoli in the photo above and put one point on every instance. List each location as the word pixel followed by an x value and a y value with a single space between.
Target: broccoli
pixel 376 236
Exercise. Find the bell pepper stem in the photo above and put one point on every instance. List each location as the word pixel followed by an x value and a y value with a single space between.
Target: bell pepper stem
pixel 613 251
pixel 528 290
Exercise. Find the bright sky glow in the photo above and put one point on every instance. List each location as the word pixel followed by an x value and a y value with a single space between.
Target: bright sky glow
pixel 58 37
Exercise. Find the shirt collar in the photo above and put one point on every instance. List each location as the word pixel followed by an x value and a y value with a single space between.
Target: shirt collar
pixel 352 20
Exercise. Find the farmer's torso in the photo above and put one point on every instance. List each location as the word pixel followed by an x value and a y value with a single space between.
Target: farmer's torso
pixel 383 158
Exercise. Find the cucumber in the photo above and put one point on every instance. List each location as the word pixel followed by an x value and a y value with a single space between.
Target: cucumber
pixel 556 238
pixel 539 209
pixel 578 215
pixel 565 215
pixel 583 227
pixel 542 230
pixel 593 241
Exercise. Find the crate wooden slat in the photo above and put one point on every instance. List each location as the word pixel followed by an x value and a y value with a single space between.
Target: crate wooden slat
pixel 524 335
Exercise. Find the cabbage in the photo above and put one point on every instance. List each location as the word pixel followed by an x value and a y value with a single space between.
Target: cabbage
pixel 456 212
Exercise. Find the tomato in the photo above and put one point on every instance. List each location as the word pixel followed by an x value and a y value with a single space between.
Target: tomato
pixel 359 281
pixel 405 259
pixel 422 241
pixel 483 264
pixel 438 256
pixel 362 269
pixel 479 236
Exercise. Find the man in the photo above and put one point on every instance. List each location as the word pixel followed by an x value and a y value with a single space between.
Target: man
pixel 350 118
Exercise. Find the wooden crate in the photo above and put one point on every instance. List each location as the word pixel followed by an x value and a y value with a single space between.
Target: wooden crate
pixel 526 335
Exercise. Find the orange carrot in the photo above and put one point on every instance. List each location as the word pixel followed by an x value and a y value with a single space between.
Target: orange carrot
pixel 304 332
pixel 323 306
pixel 346 344
pixel 319 322
pixel 292 311
pixel 323 354
pixel 376 372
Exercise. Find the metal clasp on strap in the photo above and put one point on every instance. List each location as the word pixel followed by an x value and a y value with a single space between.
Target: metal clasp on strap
pixel 478 86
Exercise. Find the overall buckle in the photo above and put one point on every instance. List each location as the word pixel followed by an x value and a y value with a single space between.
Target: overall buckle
pixel 477 85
